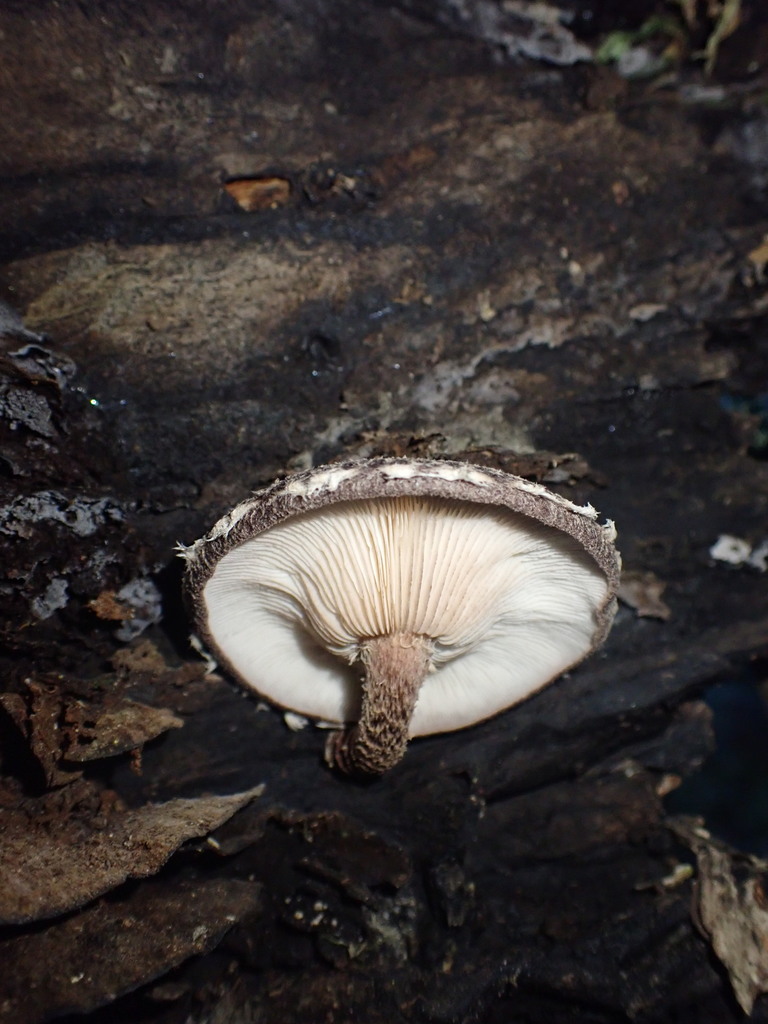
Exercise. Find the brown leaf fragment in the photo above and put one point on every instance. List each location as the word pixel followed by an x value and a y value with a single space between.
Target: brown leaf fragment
pixel 109 607
pixel 37 717
pixel 731 911
pixel 642 591
pixel 61 728
pixel 113 947
pixel 44 734
pixel 143 666
pixel 734 916
pixel 252 194
pixel 142 657
pixel 114 730
pixel 47 871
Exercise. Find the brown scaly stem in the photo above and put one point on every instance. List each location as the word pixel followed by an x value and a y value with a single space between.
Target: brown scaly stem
pixel 395 667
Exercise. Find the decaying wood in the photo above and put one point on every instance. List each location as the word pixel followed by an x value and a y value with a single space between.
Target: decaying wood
pixel 54 866
pixel 732 911
pixel 544 265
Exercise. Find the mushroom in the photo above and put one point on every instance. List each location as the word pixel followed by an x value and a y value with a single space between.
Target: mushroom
pixel 397 598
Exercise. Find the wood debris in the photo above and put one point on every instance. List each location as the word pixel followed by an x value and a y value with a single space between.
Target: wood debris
pixel 731 910
pixel 253 194
pixel 642 591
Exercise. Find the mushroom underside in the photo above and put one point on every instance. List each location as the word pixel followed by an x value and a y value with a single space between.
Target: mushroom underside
pixel 502 603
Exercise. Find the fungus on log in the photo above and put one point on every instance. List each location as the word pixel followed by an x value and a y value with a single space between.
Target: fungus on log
pixel 459 590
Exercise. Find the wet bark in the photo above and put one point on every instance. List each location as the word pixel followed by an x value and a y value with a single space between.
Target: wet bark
pixel 440 245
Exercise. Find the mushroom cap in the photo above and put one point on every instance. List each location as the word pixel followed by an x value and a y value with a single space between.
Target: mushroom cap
pixel 510 583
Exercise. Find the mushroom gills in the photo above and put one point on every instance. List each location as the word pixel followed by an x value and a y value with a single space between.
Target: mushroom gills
pixel 455 609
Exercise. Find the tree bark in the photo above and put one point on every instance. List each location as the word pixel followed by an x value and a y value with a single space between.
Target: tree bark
pixel 435 245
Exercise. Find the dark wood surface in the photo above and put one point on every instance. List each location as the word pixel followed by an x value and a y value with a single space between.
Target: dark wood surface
pixel 472 251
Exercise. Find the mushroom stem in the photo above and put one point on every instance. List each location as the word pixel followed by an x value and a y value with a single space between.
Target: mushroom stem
pixel 395 667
